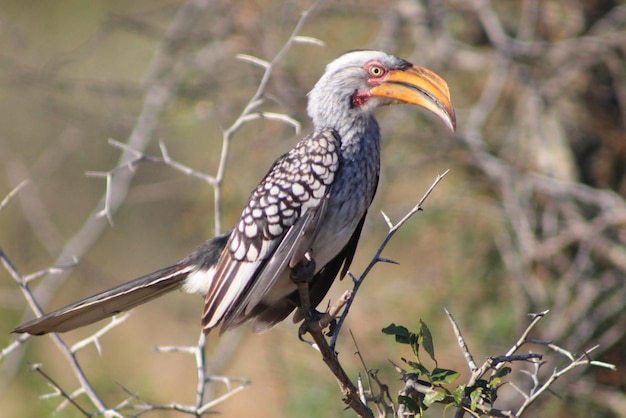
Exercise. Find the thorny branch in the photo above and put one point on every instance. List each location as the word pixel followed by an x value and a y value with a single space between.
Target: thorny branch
pixel 378 256
pixel 555 224
pixel 160 83
pixel 255 101
pixel 352 396
pixel 495 364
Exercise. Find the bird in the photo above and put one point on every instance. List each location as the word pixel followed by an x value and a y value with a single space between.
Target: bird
pixel 306 214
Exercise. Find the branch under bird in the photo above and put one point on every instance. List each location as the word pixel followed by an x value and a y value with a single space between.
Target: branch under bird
pixel 311 204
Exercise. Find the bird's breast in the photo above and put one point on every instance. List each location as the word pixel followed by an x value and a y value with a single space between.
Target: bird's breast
pixel 350 196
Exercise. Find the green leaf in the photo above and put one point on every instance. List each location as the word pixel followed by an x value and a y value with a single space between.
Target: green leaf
pixel 443 375
pixel 459 394
pixel 433 396
pixel 409 403
pixel 475 397
pixel 494 382
pixel 426 339
pixel 402 334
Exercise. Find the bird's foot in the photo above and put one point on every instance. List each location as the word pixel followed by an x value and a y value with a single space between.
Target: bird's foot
pixel 316 321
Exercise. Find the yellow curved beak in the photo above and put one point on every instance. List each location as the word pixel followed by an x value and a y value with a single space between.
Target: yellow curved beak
pixel 421 87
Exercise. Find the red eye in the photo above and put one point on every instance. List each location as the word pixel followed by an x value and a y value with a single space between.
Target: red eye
pixel 376 70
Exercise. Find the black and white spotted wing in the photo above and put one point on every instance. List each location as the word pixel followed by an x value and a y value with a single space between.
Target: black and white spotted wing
pixel 276 228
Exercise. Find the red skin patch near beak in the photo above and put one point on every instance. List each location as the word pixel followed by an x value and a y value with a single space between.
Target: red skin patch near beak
pixel 359 99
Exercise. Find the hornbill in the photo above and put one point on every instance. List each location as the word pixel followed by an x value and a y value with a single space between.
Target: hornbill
pixel 308 211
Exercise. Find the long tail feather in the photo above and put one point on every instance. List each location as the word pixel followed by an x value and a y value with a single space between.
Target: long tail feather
pixel 109 302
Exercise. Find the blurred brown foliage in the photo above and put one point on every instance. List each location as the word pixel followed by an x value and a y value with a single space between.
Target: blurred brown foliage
pixel 532 216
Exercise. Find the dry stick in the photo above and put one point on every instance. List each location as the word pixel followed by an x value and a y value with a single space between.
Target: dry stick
pixel 412 384
pixel 12 193
pixel 253 103
pixel 54 384
pixel 191 409
pixel 60 343
pixel 537 317
pixel 523 338
pixel 246 115
pixel 461 341
pixel 200 358
pixel 540 389
pixel 157 97
pixel 377 257
pixel 139 157
pixel 362 360
pixel 349 390
pixel 95 337
pixel 478 372
pixel 378 399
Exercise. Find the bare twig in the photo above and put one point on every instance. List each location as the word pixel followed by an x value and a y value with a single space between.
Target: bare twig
pixel 12 193
pixel 377 257
pixel 469 359
pixel 248 112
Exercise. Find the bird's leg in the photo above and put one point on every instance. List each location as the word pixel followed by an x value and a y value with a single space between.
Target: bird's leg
pixel 302 275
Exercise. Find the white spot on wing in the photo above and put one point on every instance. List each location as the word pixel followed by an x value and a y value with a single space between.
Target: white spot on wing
pixel 240 253
pixel 274 229
pixel 320 170
pixel 318 193
pixel 271 210
pixel 297 189
pixel 253 253
pixel 251 230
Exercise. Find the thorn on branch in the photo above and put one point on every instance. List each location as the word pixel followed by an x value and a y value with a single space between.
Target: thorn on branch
pixel 253 60
pixel 387 220
pixel 309 40
pixel 387 260
pixel 95 338
pixel 59 391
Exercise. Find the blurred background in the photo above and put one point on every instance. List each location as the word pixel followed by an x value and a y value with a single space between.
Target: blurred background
pixel 531 217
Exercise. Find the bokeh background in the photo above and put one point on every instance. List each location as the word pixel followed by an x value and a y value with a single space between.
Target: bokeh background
pixel 531 216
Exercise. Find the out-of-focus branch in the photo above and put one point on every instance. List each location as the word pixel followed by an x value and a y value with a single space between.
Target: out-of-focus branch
pixel 250 113
pixel 495 364
pixel 561 242
pixel 160 82
pixel 12 193
pixel 85 385
pixel 158 92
